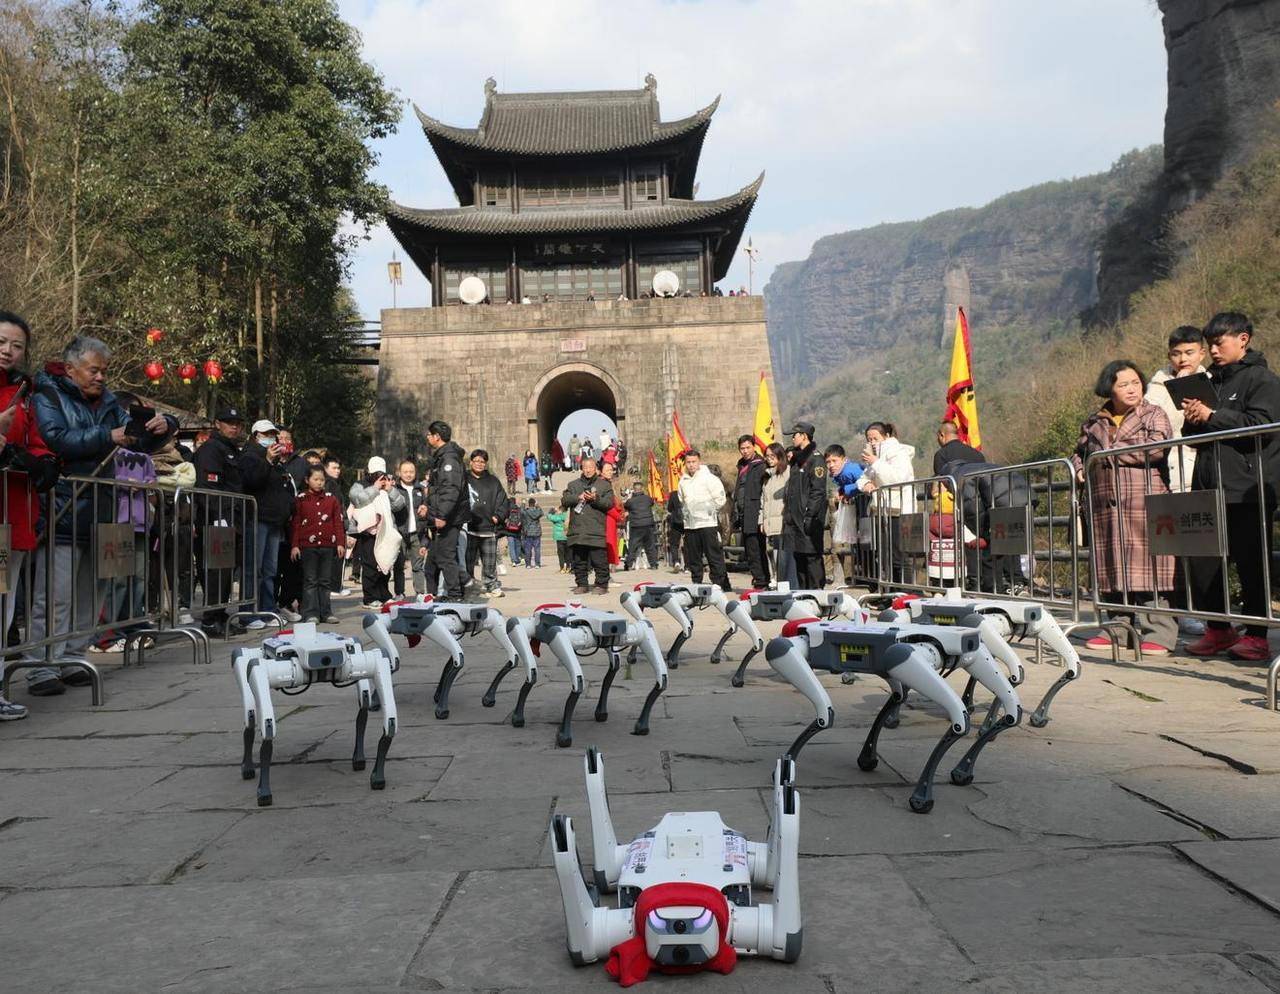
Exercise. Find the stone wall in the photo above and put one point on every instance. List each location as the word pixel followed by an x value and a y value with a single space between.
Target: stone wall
pixel 483 369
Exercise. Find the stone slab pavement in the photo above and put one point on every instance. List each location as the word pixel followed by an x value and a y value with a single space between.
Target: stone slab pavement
pixel 1133 844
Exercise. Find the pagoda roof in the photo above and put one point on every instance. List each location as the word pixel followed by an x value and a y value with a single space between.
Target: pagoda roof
pixel 413 226
pixel 565 124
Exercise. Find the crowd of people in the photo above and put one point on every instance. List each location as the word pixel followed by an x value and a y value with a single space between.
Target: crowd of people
pixel 796 512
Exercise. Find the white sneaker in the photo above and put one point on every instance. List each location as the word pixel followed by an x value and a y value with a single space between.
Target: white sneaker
pixel 256 625
pixel 290 615
pixel 116 646
pixel 185 618
pixel 344 592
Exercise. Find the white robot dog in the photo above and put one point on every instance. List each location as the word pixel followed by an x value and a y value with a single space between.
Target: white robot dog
pixel 572 632
pixel 678 600
pixel 292 663
pixel 780 605
pixel 684 888
pixel 1001 620
pixel 444 623
pixel 908 657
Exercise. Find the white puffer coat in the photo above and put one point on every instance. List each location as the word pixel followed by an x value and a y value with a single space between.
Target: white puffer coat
pixel 893 466
pixel 701 495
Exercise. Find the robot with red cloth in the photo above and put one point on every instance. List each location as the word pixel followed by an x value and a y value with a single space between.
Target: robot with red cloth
pixel 683 889
pixel 678 600
pixel 998 621
pixel 782 604
pixel 572 631
pixel 907 657
pixel 444 623
pixel 294 661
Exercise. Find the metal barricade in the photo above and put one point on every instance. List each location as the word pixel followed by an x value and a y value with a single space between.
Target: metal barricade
pixel 1200 531
pixel 905 519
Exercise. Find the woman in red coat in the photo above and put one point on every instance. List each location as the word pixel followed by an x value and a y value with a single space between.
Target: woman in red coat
pixel 615 517
pixel 29 468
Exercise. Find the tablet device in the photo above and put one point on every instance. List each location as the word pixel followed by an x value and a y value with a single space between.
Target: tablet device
pixel 1195 387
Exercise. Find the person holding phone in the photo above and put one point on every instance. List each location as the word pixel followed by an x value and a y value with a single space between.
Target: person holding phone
pixel 29 469
pixel 588 499
pixel 265 478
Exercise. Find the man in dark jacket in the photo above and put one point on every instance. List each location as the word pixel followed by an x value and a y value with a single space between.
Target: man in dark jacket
pixel 217 464
pixel 642 533
pixel 588 498
pixel 83 424
pixel 675 530
pixel 746 510
pixel 489 505
pixel 952 450
pixel 804 507
pixel 262 469
pixel 1248 395
pixel 447 510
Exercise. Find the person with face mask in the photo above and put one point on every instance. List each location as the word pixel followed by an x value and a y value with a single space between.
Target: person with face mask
pixel 265 479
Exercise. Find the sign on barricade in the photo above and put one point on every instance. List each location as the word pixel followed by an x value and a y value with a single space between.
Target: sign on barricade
pixel 220 547
pixel 913 531
pixel 115 551
pixel 1186 524
pixel 1010 529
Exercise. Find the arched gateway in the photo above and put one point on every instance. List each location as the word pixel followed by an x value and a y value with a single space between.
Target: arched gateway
pixel 569 204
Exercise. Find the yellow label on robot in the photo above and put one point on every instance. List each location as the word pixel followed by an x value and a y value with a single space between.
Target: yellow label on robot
pixel 853 653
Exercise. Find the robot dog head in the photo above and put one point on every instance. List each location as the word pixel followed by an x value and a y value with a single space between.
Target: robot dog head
pixel 679 928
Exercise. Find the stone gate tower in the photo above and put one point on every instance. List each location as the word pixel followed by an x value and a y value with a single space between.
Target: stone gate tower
pixel 570 204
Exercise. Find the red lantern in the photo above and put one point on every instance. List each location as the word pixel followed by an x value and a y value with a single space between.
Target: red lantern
pixel 154 371
pixel 154 335
pixel 187 372
pixel 213 371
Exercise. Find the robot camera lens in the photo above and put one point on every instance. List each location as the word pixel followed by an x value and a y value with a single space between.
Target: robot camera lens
pixel 680 955
pixel 680 926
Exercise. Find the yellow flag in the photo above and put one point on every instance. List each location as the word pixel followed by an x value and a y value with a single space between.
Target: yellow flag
pixel 677 446
pixel 962 404
pixel 766 430
pixel 653 485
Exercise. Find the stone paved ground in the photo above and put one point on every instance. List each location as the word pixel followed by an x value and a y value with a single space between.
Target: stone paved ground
pixel 1132 845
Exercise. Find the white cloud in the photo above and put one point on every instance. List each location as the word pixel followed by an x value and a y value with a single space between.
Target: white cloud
pixel 861 111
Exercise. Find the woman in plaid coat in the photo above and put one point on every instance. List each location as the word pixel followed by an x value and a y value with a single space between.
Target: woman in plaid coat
pixel 1122 559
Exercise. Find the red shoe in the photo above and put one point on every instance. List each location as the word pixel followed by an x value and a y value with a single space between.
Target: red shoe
pixel 1214 642
pixel 1254 648
pixel 1154 649
pixel 1099 642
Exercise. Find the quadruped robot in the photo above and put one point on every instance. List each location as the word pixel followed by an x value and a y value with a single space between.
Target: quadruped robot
pixel 444 623
pixel 684 900
pixel 782 604
pixel 292 662
pixel 678 600
pixel 573 632
pixel 998 621
pixel 908 657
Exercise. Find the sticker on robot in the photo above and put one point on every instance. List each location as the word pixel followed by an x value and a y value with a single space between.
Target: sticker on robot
pixel 853 653
pixel 638 855
pixel 735 849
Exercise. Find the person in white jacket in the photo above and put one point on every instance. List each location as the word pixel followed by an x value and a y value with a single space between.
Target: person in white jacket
pixel 888 463
pixel 1186 358
pixel 701 496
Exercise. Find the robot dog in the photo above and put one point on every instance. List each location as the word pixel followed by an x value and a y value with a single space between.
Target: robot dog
pixel 678 600
pixel 780 605
pixel 1000 620
pixel 292 662
pixel 684 900
pixel 571 632
pixel 908 657
pixel 444 623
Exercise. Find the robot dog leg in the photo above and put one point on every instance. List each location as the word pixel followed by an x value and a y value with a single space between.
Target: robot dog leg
pixel 511 635
pixel 684 888
pixel 677 599
pixel 839 647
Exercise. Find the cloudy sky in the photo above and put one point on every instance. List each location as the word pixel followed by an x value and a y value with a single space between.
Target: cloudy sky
pixel 860 111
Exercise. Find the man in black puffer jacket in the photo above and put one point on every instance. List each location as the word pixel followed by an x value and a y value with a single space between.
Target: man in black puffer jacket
pixel 262 470
pixel 448 509
pixel 1248 396
pixel 642 530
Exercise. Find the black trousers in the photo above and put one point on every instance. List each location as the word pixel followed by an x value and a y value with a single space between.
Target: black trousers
pixel 373 582
pixel 809 572
pixel 442 560
pixel 704 544
pixel 757 559
pixel 317 569
pixel 589 558
pixel 646 538
pixel 674 537
pixel 290 589
pixel 1251 558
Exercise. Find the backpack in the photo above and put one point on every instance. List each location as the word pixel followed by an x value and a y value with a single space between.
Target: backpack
pixel 515 520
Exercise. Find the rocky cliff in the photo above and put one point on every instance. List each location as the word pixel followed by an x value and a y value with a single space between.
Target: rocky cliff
pixel 1027 258
pixel 1224 69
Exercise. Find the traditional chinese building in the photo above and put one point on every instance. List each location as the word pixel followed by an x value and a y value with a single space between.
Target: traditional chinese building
pixel 569 204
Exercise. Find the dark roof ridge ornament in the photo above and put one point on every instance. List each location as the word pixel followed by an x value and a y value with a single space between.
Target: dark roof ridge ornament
pixel 651 82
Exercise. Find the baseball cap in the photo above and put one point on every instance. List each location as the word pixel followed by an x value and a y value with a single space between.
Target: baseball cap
pixel 263 427
pixel 229 414
pixel 803 426
pixel 376 465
